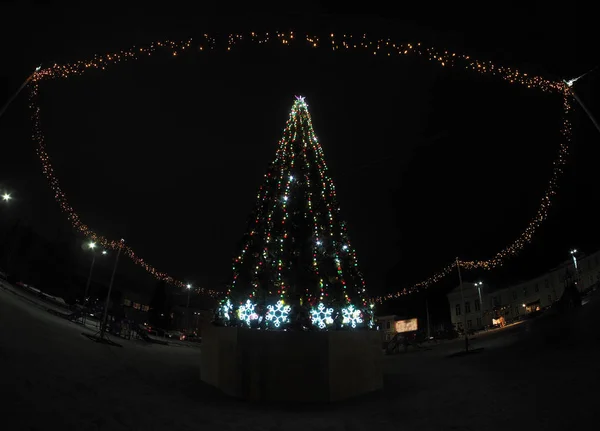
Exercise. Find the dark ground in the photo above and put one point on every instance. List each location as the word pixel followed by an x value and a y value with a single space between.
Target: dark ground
pixel 539 375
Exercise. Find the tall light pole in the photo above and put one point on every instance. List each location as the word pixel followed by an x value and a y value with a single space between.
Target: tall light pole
pixel 187 311
pixel 91 246
pixel 574 256
pixel 428 324
pixel 112 279
pixel 479 284
pixel 6 197
pixel 570 83
pixel 23 85
pixel 463 305
pixel 573 252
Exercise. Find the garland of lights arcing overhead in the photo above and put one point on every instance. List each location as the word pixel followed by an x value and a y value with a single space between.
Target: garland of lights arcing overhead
pixel 346 42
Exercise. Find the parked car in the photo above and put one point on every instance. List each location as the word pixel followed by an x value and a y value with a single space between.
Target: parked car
pixel 176 335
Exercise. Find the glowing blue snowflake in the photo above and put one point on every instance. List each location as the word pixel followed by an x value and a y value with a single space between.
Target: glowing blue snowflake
pixel 226 309
pixel 246 312
pixel 278 313
pixel 322 316
pixel 351 316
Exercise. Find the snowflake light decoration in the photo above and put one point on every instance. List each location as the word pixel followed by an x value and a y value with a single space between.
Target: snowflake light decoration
pixel 278 313
pixel 351 316
pixel 322 316
pixel 246 312
pixel 226 309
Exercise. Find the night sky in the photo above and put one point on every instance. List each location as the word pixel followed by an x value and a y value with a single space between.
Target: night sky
pixel 430 163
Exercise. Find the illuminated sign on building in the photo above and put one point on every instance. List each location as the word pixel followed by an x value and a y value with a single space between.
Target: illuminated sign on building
pixel 407 325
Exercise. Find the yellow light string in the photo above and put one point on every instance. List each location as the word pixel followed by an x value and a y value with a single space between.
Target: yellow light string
pixel 379 47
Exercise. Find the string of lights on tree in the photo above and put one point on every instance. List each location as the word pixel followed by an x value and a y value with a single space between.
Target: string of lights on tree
pixel 335 42
pixel 297 247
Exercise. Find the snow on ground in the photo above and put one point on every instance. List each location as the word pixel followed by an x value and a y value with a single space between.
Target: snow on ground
pixel 528 377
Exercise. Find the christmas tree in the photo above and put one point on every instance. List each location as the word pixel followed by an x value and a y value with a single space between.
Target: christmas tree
pixel 297 268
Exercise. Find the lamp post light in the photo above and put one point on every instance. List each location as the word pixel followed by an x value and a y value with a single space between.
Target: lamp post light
pixel 91 246
pixel 23 85
pixel 574 256
pixel 479 284
pixel 187 311
pixel 10 241
pixel 569 84
pixel 112 279
pixel 462 296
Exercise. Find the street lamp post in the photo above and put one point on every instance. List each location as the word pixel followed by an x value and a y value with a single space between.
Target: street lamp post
pixel 574 256
pixel 428 324
pixel 587 111
pixel 479 284
pixel 23 85
pixel 112 279
pixel 91 246
pixel 187 311
pixel 462 296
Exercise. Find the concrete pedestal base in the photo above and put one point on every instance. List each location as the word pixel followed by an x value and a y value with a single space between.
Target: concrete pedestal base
pixel 291 366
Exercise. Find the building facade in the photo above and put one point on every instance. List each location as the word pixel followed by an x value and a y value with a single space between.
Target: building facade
pixel 387 326
pixel 480 305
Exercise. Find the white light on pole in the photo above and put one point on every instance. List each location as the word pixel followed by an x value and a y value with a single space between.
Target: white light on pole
pixel 479 284
pixel 573 255
pixel 187 311
pixel 462 296
pixel 91 246
pixel 110 285
pixel 23 85
pixel 569 84
pixel 6 197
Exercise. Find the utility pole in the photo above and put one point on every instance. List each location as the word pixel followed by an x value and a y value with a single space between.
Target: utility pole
pixel 463 306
